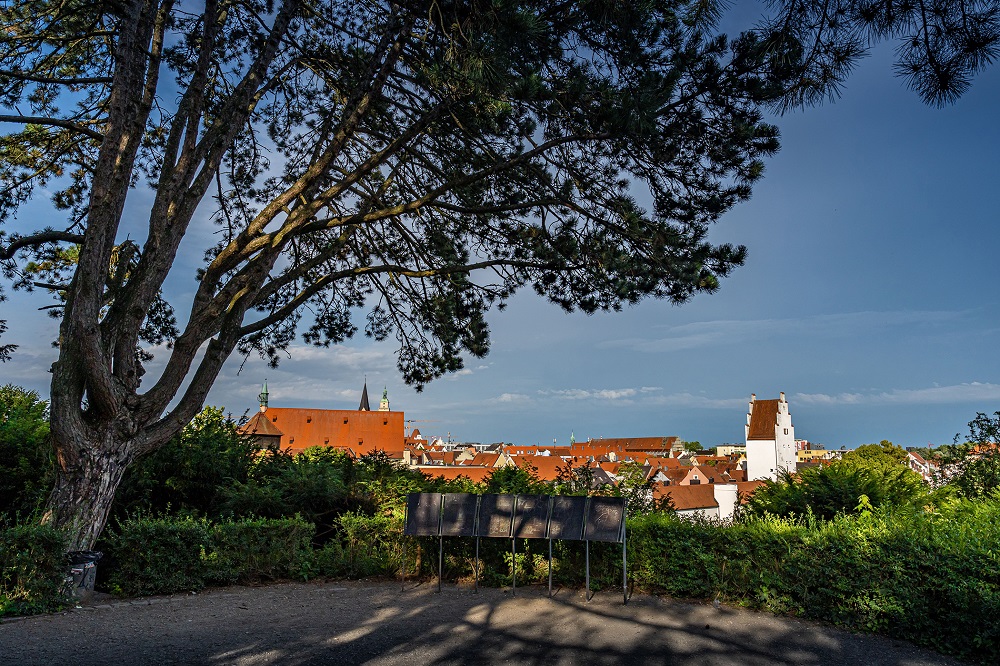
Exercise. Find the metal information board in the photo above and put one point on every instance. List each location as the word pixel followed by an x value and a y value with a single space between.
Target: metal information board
pixel 566 523
pixel 458 517
pixel 495 515
pixel 605 517
pixel 531 516
pixel 566 518
pixel 423 514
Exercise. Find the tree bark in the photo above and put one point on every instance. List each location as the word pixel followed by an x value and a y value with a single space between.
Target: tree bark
pixel 84 490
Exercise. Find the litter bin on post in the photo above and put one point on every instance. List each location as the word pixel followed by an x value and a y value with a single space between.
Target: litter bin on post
pixel 82 573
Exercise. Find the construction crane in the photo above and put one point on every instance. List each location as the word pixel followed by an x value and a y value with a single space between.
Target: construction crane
pixel 407 422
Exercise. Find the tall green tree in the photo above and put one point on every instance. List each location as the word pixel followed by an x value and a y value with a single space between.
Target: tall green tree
pixel 193 471
pixel 26 469
pixel 418 158
pixel 869 476
pixel 972 464
pixel 421 159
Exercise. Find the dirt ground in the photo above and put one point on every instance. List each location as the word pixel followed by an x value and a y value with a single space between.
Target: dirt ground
pixel 377 623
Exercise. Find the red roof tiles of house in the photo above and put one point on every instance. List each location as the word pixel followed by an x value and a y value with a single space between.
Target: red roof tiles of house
pixel 363 432
pixel 628 444
pixel 484 460
pixel 547 468
pixel 610 467
pixel 687 498
pixel 442 457
pixel 474 474
pixel 663 463
pixel 675 474
pixel 746 489
pixel 763 419
pixel 261 425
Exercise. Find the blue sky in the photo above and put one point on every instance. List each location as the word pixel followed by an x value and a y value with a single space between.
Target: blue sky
pixel 869 296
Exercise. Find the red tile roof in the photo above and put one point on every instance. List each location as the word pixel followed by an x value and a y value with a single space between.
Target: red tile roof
pixel 261 425
pixel 363 432
pixel 547 468
pixel 474 474
pixel 686 498
pixel 763 419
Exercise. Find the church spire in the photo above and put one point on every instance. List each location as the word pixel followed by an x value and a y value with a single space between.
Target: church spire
pixel 383 406
pixel 364 399
pixel 263 397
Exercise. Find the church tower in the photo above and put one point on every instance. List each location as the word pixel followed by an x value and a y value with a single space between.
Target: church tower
pixel 383 405
pixel 262 397
pixel 770 439
pixel 363 407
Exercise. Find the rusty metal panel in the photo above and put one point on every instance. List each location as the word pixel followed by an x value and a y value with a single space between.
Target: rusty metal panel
pixel 566 521
pixel 423 514
pixel 458 518
pixel 495 515
pixel 531 516
pixel 605 517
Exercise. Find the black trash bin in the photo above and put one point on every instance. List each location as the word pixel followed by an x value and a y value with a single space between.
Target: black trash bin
pixel 82 573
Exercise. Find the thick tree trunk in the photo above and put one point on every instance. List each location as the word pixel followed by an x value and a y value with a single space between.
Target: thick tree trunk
pixel 84 491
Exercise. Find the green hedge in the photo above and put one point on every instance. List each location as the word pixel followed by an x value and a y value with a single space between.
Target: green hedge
pixel 917 576
pixel 165 555
pixel 32 570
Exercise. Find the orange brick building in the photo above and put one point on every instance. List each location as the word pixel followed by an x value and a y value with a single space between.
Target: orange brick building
pixel 360 431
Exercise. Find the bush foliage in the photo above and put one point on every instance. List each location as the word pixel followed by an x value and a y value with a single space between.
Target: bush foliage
pixel 166 555
pixel 926 577
pixel 32 570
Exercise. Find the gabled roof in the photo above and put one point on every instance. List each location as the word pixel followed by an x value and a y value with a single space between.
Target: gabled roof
pixel 687 498
pixel 260 425
pixel 663 463
pixel 484 460
pixel 763 419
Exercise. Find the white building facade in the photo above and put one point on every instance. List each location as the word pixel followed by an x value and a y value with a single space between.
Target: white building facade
pixel 770 439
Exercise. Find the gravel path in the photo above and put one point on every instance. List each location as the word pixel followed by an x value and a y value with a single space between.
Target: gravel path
pixel 375 623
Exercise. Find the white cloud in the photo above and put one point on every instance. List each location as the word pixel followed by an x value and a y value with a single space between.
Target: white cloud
pixel 585 394
pixel 935 395
pixel 511 398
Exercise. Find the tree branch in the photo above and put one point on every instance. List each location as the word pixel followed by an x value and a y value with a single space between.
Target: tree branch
pixel 37 239
pixel 86 80
pixel 402 271
pixel 54 122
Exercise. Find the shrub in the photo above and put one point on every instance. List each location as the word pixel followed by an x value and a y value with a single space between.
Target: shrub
pixel 166 555
pixel 928 578
pixel 249 551
pixel 372 545
pixel 32 570
pixel 156 556
pixel 192 472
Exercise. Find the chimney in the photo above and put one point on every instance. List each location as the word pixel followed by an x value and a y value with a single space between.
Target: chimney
pixel 782 394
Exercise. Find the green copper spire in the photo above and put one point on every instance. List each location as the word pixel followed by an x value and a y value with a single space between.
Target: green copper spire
pixel 263 397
